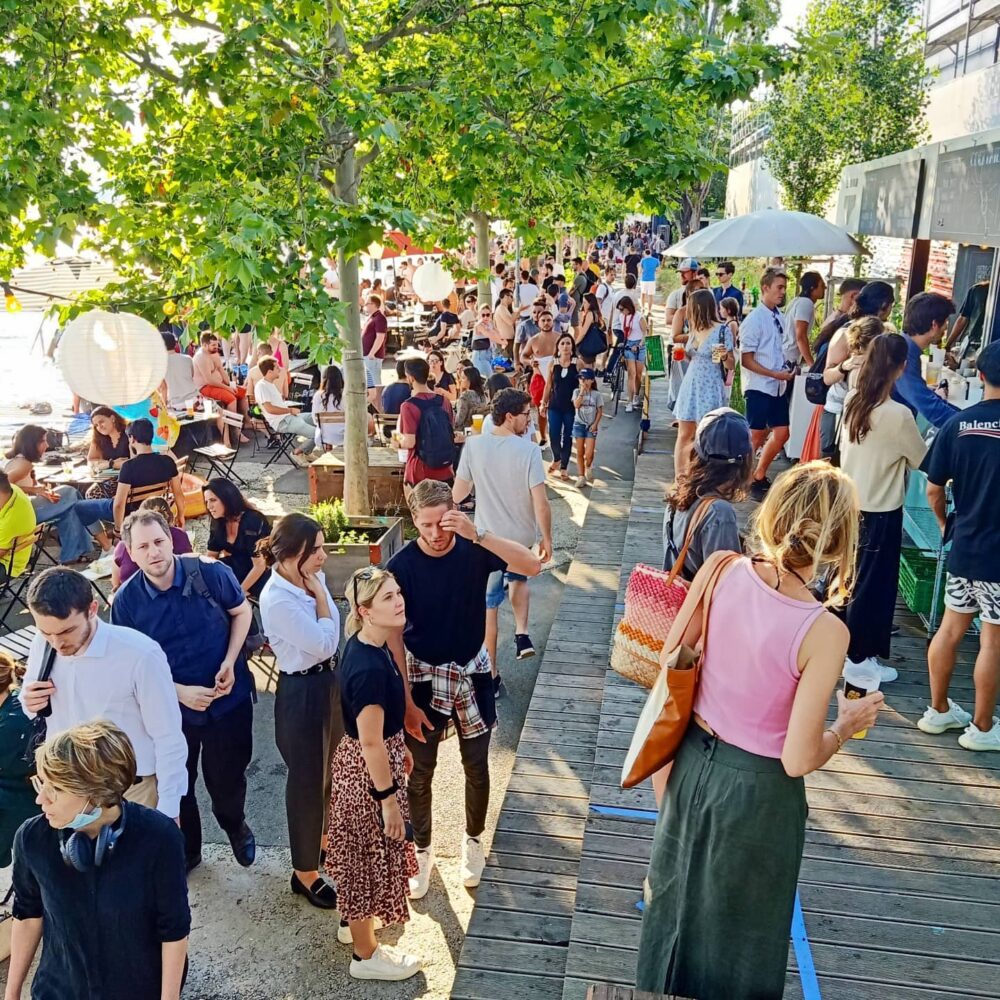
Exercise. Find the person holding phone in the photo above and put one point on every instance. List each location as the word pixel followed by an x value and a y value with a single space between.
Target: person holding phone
pixel 370 853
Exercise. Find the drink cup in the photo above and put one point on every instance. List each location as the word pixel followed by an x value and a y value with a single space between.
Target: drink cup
pixel 679 353
pixel 402 454
pixel 477 423
pixel 67 468
pixel 190 407
pixel 718 352
pixel 860 679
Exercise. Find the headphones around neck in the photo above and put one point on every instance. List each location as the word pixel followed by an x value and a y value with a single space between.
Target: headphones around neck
pixel 84 853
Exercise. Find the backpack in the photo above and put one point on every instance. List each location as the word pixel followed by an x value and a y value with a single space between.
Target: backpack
pixel 192 567
pixel 815 388
pixel 435 435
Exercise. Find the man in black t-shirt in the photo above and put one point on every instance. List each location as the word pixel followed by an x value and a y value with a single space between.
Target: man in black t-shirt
pixel 966 453
pixel 443 576
pixel 446 327
pixel 146 468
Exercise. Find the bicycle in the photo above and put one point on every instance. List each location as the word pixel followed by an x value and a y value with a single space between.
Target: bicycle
pixel 615 374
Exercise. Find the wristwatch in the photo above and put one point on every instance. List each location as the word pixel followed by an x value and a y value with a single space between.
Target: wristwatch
pixel 481 533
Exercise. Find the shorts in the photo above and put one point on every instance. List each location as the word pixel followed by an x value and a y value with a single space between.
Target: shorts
pixel 582 431
pixel 223 394
pixel 635 350
pixel 969 597
pixel 373 372
pixel 494 588
pixel 764 411
pixel 647 287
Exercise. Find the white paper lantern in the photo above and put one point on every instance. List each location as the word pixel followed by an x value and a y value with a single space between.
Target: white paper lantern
pixel 432 282
pixel 112 358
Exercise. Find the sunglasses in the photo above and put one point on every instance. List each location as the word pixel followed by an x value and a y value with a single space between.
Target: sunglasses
pixel 365 573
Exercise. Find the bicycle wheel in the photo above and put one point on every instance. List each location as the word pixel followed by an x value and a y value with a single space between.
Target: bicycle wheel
pixel 617 380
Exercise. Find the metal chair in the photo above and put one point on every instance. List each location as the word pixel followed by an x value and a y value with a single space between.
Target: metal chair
pixel 386 424
pixel 12 587
pixel 221 458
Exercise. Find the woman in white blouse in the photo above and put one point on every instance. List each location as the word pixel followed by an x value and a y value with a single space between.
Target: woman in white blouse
pixel 329 398
pixel 302 625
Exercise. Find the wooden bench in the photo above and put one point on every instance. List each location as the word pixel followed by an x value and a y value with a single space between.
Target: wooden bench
pixel 605 992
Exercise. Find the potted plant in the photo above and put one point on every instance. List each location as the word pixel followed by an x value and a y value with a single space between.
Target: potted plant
pixel 353 542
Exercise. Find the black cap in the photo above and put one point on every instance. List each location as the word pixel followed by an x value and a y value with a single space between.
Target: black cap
pixel 588 373
pixel 988 363
pixel 723 436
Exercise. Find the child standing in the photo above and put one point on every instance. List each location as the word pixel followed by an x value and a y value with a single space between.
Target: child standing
pixel 589 404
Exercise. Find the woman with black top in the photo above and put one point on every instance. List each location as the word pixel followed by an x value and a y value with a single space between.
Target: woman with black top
pixel 302 625
pixel 370 852
pixel 17 798
pixel 444 381
pixel 236 530
pixel 563 380
pixel 109 449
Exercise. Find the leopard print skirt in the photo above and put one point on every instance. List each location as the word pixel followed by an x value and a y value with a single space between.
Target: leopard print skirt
pixel 372 872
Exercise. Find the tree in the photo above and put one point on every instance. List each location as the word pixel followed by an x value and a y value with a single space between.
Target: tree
pixel 858 92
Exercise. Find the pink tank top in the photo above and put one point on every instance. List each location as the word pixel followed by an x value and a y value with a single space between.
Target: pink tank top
pixel 750 674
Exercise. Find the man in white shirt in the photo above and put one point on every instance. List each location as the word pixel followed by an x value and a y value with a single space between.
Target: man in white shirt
pixel 280 416
pixel 181 388
pixel 101 671
pixel 800 316
pixel 507 473
pixel 766 380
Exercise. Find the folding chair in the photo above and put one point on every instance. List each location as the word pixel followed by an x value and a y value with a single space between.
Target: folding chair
pixel 334 419
pixel 284 444
pixel 220 458
pixel 12 587
pixel 303 387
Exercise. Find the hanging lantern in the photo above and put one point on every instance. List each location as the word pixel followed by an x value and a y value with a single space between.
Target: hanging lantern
pixel 375 251
pixel 169 307
pixel 112 358
pixel 431 282
pixel 10 299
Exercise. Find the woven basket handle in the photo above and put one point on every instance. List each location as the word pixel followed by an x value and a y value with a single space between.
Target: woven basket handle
pixel 693 525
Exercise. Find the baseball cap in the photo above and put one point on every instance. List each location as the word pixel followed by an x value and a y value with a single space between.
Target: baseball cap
pixel 588 373
pixel 723 436
pixel 688 264
pixel 988 362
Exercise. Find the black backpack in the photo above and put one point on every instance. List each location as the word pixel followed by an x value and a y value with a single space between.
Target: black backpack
pixel 816 389
pixel 192 567
pixel 435 436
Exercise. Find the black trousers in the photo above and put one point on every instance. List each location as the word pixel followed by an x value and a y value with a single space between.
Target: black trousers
pixel 308 725
pixel 476 763
pixel 224 746
pixel 873 600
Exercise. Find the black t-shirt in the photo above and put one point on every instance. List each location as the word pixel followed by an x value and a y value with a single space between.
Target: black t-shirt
pixel 368 676
pixel 104 928
pixel 393 396
pixel 967 452
pixel 632 264
pixel 444 381
pixel 446 320
pixel 147 470
pixel 239 558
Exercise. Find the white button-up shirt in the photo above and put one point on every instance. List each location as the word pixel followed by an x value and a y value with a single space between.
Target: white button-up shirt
pixel 762 333
pixel 122 676
pixel 299 639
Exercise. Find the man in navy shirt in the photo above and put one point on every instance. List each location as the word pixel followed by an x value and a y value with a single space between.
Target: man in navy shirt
pixel 199 615
pixel 925 322
pixel 725 289
pixel 966 453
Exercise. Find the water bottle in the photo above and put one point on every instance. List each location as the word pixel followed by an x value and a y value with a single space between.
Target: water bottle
pixel 860 679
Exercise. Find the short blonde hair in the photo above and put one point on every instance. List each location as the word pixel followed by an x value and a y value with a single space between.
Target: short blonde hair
pixel 430 493
pixel 361 590
pixel 809 520
pixel 94 760
pixel 861 332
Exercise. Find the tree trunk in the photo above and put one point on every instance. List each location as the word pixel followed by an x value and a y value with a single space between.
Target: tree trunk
pixel 559 249
pixel 481 223
pixel 356 394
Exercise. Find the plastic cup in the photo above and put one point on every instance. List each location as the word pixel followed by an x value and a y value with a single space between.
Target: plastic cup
pixel 718 352
pixel 67 468
pixel 679 353
pixel 860 679
pixel 402 454
pixel 190 407
pixel 477 423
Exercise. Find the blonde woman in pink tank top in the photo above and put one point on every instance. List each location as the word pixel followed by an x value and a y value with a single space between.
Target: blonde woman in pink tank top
pixel 727 851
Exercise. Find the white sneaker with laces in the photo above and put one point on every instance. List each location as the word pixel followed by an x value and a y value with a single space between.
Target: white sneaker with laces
pixel 888 673
pixel 420 882
pixel 385 964
pixel 590 475
pixel 581 482
pixel 473 862
pixel 344 935
pixel 975 739
pixel 628 406
pixel 935 722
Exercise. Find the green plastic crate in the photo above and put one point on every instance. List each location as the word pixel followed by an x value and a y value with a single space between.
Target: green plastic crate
pixel 916 582
pixel 654 357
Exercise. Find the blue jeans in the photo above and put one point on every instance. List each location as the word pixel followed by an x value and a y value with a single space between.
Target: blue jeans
pixel 74 539
pixel 483 362
pixel 561 435
pixel 91 512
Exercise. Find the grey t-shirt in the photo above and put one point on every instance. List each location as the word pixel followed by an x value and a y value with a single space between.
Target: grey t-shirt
pixel 504 469
pixel 717 532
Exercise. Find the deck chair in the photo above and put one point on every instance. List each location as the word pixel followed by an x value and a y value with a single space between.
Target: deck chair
pixel 220 458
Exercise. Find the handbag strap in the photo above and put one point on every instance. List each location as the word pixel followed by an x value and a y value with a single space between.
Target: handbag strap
pixel 700 595
pixel 693 525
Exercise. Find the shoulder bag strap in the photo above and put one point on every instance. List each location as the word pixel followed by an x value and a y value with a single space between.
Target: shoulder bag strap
pixel 693 525
pixel 701 588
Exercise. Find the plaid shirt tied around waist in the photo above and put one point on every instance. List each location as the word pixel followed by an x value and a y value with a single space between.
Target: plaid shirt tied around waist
pixel 452 691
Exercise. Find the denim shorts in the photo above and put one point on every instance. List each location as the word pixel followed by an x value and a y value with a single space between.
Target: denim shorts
pixel 494 589
pixel 581 430
pixel 635 350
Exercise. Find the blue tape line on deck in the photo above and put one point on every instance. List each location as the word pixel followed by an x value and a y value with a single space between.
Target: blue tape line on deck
pixel 803 954
pixel 625 813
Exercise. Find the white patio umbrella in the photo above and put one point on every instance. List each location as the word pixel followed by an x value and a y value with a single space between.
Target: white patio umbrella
pixel 769 233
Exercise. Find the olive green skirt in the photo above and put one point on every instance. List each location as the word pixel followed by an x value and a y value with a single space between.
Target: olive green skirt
pixel 722 876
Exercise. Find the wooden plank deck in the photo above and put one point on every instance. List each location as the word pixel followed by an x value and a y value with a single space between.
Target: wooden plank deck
pixel 900 881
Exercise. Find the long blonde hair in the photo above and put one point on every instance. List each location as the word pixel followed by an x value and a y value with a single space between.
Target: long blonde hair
pixel 809 520
pixel 861 332
pixel 361 591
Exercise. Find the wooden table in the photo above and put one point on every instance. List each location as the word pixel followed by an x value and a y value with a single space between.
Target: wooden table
pixel 81 477
pixel 385 478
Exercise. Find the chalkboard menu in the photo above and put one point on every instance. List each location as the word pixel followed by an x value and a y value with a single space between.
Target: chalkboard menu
pixel 967 196
pixel 889 200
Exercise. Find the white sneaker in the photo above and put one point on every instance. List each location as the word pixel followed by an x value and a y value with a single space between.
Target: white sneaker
pixel 975 739
pixel 888 673
pixel 386 964
pixel 581 482
pixel 628 407
pixel 590 475
pixel 344 935
pixel 420 882
pixel 473 862
pixel 935 723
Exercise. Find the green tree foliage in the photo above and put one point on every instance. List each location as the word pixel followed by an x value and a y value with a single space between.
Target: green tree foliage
pixel 858 92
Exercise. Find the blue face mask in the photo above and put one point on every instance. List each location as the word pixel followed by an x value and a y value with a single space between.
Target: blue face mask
pixel 83 819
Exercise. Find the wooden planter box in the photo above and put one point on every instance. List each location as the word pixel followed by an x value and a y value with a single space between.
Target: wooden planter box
pixel 385 540
pixel 385 478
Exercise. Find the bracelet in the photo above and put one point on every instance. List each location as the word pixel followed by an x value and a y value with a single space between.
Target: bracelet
pixel 838 738
pixel 383 795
